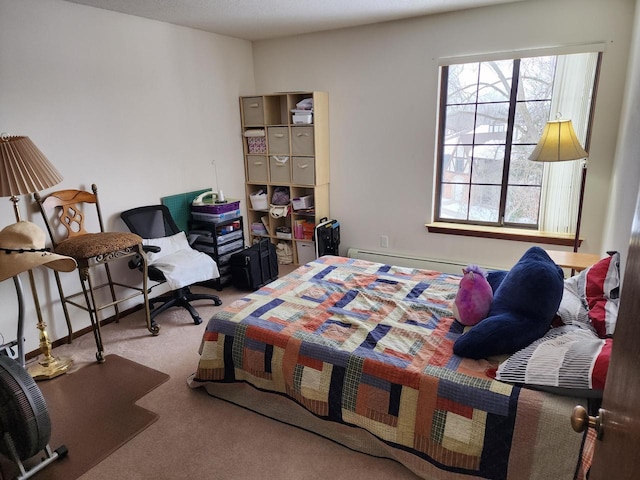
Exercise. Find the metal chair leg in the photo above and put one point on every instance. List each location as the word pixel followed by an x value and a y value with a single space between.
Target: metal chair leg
pixel 151 325
pixel 93 314
pixel 113 293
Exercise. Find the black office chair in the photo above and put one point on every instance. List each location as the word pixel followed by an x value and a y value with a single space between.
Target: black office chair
pixel 155 225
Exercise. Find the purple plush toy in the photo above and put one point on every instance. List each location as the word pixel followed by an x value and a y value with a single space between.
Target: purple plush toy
pixel 474 296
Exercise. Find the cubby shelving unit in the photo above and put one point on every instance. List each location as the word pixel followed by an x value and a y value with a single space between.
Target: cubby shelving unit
pixel 282 149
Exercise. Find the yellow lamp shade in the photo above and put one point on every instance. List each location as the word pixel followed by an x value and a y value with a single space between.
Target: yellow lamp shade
pixel 558 143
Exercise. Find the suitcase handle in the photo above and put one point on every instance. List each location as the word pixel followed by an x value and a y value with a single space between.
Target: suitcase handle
pixel 263 273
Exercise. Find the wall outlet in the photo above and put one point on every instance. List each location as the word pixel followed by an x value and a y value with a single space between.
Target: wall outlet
pixel 384 241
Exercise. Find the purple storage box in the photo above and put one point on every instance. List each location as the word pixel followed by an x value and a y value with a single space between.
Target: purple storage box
pixel 217 207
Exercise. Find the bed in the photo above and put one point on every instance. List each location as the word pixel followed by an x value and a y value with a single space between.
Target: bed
pixel 361 353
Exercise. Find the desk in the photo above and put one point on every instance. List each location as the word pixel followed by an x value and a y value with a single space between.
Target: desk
pixel 573 260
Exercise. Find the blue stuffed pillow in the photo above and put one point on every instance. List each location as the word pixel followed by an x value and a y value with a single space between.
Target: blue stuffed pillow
pixel 495 278
pixel 524 305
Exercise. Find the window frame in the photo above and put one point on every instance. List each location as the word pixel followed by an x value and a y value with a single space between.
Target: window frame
pixel 511 230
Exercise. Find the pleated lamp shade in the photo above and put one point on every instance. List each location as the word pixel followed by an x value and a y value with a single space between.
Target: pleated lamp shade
pixel 558 143
pixel 23 168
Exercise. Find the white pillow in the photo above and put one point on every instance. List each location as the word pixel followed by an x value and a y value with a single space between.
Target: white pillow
pixel 573 309
pixel 168 245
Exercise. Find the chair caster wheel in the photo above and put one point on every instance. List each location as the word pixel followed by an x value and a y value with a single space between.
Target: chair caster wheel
pixel 217 303
pixel 155 330
pixel 99 357
pixel 197 320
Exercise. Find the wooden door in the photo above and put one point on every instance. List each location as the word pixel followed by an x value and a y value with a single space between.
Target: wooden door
pixel 616 454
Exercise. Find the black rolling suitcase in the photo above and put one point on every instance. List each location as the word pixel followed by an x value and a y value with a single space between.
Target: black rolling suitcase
pixel 255 266
pixel 327 237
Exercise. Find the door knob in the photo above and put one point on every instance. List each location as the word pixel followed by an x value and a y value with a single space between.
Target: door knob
pixel 580 421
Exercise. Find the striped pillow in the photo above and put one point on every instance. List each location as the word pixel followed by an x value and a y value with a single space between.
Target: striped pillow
pixel 567 357
pixel 590 298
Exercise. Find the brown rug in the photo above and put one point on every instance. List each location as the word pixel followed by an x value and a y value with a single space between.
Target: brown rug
pixel 93 413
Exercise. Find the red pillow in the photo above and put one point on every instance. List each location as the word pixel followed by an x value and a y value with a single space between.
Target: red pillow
pixel 601 365
pixel 601 293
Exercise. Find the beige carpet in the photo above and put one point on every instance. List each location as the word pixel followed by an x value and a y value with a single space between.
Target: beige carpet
pixel 201 437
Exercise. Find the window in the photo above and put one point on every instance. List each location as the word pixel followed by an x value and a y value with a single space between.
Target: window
pixel 492 114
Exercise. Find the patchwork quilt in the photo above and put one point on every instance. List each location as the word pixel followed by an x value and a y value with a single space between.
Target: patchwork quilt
pixel 370 345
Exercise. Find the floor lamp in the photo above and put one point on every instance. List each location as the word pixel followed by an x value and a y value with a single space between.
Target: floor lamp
pixel 23 170
pixel 559 143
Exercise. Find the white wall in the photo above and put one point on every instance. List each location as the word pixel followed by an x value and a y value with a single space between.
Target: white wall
pixel 383 85
pixel 626 179
pixel 139 107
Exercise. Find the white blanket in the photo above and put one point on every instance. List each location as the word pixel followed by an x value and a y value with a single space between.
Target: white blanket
pixel 179 262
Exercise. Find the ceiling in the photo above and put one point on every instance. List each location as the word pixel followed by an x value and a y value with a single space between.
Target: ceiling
pixel 263 19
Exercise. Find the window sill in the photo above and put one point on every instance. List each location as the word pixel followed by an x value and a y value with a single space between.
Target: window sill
pixel 502 233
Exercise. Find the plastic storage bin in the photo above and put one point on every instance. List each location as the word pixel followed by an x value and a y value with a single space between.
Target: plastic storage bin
pixel 229 237
pixel 259 200
pixel 215 217
pixel 300 203
pixel 257 228
pixel 217 207
pixel 283 232
pixel 302 118
pixel 222 249
pixel 306 252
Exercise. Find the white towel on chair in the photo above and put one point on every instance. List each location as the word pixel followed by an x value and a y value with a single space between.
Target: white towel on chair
pixel 179 262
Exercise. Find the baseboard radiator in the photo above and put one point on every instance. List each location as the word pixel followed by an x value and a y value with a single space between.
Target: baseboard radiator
pixel 402 260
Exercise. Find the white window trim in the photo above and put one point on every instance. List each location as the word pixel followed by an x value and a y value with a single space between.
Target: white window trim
pixel 535 52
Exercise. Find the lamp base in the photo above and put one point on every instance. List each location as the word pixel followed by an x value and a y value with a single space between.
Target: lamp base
pixel 49 367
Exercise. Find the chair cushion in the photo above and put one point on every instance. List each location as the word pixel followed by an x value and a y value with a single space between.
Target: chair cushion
pixel 92 245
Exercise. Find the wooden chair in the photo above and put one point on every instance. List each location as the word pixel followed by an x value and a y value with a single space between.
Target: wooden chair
pixel 91 250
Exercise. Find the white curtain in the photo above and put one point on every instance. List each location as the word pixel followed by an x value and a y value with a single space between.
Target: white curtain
pixel 571 99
